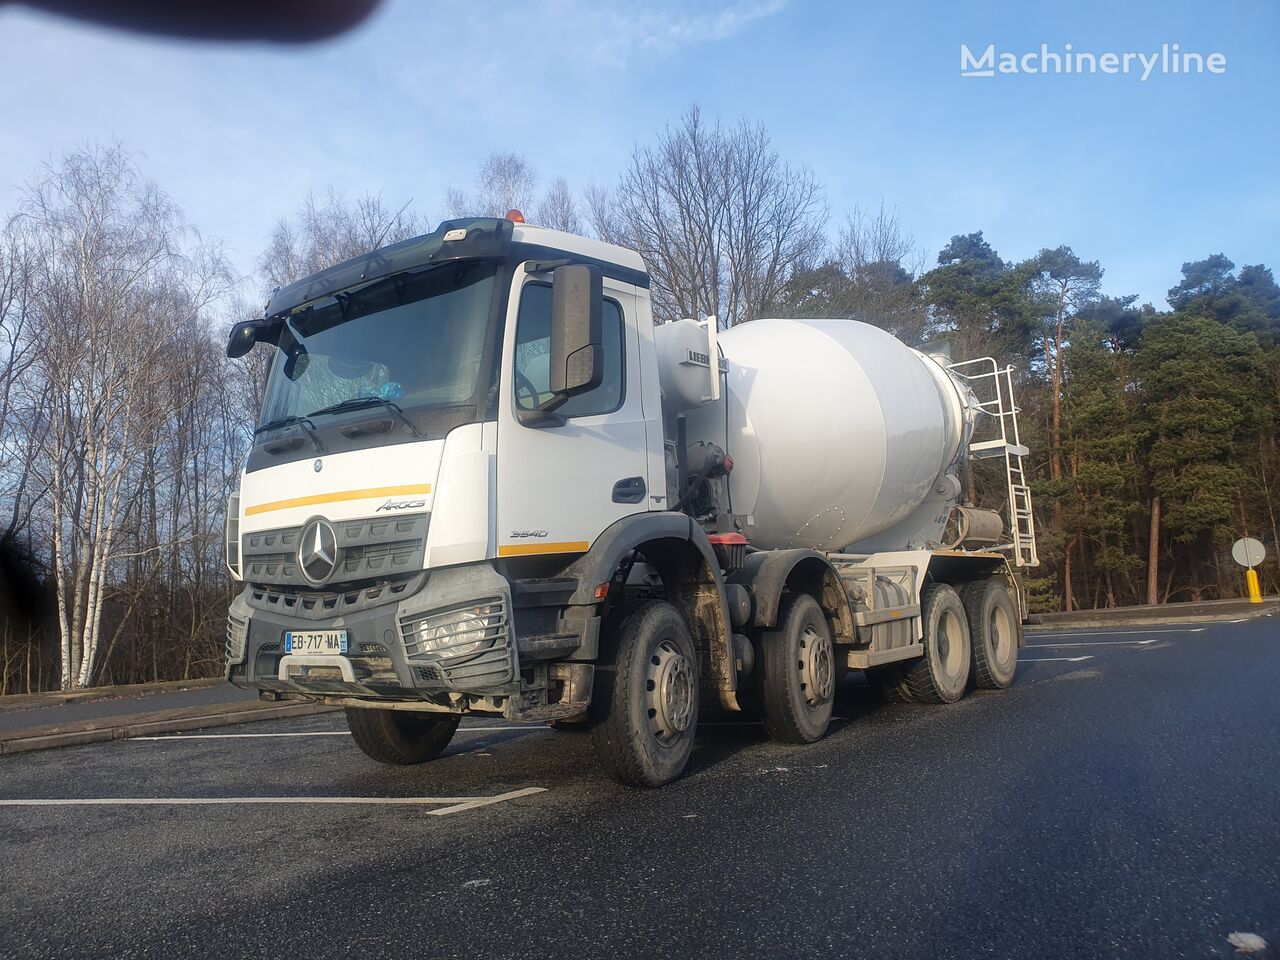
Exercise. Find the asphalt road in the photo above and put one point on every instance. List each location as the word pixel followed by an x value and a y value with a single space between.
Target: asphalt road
pixel 1121 800
pixel 87 709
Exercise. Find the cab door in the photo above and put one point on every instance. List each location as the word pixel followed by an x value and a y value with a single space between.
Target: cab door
pixel 561 485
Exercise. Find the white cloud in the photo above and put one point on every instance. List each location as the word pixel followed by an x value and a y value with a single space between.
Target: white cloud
pixel 667 30
pixel 605 32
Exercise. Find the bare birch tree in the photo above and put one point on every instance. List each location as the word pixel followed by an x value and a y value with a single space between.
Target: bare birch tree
pixel 508 181
pixel 558 209
pixel 112 291
pixel 22 410
pixel 602 213
pixel 720 218
pixel 505 181
pixel 329 230
pixel 879 263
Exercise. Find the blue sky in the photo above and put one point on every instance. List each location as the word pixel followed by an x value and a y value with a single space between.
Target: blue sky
pixel 1141 176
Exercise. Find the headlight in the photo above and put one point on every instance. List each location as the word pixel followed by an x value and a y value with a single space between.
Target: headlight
pixel 464 631
pixel 457 632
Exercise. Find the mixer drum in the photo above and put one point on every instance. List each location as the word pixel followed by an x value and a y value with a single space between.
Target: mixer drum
pixel 837 429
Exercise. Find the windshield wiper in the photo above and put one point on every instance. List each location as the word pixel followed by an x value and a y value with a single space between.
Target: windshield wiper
pixel 305 423
pixel 356 403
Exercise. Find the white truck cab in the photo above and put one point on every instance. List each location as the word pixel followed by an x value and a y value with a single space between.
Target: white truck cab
pixel 478 484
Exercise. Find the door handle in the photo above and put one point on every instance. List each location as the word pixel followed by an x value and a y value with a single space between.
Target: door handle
pixel 630 490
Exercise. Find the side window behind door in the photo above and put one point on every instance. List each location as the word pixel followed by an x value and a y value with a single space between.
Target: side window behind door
pixel 533 351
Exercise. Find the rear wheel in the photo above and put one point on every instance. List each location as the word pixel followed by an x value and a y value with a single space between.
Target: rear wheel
pixel 890 682
pixel 993 625
pixel 797 673
pixel 401 736
pixel 644 709
pixel 942 674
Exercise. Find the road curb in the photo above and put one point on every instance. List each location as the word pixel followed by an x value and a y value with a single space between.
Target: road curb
pixel 55 698
pixel 28 742
pixel 1204 612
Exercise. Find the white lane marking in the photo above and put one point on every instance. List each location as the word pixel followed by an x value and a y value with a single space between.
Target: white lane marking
pixel 1111 633
pixel 245 736
pixel 743 723
pixel 315 733
pixel 190 801
pixel 1052 659
pixel 448 804
pixel 485 801
pixel 1098 643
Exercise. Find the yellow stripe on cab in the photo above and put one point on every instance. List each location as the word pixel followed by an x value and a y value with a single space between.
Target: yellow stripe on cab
pixel 533 549
pixel 366 494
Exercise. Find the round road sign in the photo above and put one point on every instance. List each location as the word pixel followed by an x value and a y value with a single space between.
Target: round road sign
pixel 1248 552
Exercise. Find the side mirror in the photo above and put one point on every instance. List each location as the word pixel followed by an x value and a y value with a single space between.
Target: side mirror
pixel 248 332
pixel 577 343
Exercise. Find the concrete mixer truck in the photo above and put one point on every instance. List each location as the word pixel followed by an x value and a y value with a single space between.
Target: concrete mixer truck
pixel 484 481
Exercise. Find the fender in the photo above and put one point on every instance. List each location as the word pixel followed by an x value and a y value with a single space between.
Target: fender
pixel 767 573
pixel 617 541
pixel 672 541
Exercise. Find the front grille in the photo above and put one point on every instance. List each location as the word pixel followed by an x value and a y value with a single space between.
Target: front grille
pixel 467 643
pixel 237 630
pixel 379 547
pixel 321 605
pixel 377 559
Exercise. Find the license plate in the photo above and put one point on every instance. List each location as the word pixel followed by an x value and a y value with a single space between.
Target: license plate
pixel 316 641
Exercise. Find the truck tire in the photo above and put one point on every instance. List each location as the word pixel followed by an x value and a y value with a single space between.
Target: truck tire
pixel 401 736
pixel 890 682
pixel 797 672
pixel 942 674
pixel 644 709
pixel 993 627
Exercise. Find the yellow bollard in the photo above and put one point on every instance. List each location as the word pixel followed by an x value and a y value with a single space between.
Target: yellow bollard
pixel 1255 590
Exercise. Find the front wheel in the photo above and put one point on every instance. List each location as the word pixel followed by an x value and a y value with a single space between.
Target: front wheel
pixel 400 736
pixel 797 673
pixel 644 709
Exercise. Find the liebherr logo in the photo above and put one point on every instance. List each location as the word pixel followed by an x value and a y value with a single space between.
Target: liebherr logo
pixel 1169 60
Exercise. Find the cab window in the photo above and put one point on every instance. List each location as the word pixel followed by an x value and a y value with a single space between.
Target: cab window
pixel 533 352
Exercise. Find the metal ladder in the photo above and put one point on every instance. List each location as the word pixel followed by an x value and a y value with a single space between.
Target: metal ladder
pixel 992 387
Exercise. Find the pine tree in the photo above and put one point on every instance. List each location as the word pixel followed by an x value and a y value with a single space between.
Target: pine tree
pixel 1201 384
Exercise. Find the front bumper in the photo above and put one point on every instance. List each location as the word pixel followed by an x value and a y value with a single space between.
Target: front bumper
pixel 435 634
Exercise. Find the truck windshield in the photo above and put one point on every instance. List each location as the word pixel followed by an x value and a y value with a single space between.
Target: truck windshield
pixel 415 340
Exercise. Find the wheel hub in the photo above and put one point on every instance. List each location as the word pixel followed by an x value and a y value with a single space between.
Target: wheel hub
pixel 671 693
pixel 950 644
pixel 817 666
pixel 1002 636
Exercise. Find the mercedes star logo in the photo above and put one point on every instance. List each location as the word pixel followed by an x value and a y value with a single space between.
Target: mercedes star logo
pixel 318 551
